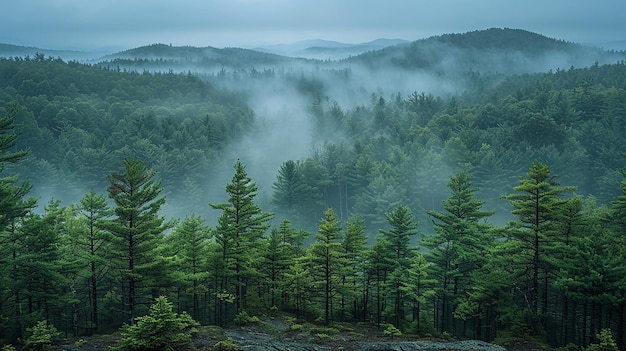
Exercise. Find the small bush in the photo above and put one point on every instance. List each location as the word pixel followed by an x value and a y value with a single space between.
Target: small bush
pixel 392 331
pixel 243 318
pixel 40 336
pixel 80 342
pixel 322 336
pixel 225 345
pixel 605 342
pixel 162 329
pixel 8 347
pixel 296 327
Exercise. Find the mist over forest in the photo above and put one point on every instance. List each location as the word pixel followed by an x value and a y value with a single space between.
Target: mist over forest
pixel 367 132
pixel 295 109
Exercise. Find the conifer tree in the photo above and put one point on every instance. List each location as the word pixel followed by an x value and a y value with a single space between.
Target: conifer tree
pixel 537 205
pixel 376 269
pixel 240 231
pixel 13 206
pixel 283 247
pixel 12 192
pixel 327 260
pixel 188 245
pixel 95 245
pixel 353 245
pixel 290 190
pixel 398 254
pixel 458 245
pixel 419 286
pixel 137 230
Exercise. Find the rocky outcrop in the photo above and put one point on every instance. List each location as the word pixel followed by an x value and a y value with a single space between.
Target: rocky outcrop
pixel 254 338
pixel 466 345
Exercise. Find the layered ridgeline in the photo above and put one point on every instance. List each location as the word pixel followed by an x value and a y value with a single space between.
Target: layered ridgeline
pixel 345 133
pixel 397 171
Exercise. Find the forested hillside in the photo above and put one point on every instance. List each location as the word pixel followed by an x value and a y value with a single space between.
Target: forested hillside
pixel 492 209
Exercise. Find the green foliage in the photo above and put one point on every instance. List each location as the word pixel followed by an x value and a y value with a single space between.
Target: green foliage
pixel 162 329
pixel 392 331
pixel 8 347
pixel 605 342
pixel 226 345
pixel 243 318
pixel 296 327
pixel 40 336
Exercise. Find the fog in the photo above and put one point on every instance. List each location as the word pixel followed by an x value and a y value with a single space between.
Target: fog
pixel 283 90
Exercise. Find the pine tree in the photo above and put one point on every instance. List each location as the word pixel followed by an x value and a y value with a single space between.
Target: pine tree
pixel 353 246
pixel 94 246
pixel 240 231
pixel 283 247
pixel 12 202
pixel 326 260
pixel 419 286
pixel 137 230
pixel 13 206
pixel 399 255
pixel 188 246
pixel 536 204
pixel 290 190
pixel 458 245
pixel 39 265
pixel 377 268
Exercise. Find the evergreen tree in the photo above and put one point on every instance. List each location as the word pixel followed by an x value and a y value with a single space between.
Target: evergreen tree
pixel 12 202
pixel 94 246
pixel 290 190
pixel 537 205
pixel 240 231
pixel 419 287
pixel 353 246
pixel 283 247
pixel 327 260
pixel 13 206
pixel 188 245
pixel 399 255
pixel 39 264
pixel 137 231
pixel 376 270
pixel 457 247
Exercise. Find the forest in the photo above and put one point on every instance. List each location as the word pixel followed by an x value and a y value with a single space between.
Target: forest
pixel 491 208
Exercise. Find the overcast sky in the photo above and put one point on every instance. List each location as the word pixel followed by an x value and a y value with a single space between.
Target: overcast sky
pixel 122 24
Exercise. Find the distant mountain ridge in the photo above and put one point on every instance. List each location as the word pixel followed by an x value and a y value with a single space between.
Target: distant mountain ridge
pixel 325 49
pixel 501 50
pixel 9 50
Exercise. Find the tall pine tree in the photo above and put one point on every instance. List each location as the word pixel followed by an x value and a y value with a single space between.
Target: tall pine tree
pixel 458 245
pixel 537 204
pixel 399 255
pixel 240 232
pixel 138 230
pixel 327 260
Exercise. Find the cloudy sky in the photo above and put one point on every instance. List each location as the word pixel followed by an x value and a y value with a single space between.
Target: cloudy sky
pixel 89 24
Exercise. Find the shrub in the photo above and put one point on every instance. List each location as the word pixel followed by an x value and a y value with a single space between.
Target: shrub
pixel 225 345
pixel 605 342
pixel 243 318
pixel 40 336
pixel 8 347
pixel 392 331
pixel 296 327
pixel 162 329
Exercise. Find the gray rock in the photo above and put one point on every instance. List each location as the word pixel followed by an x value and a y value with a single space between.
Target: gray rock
pixel 466 345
